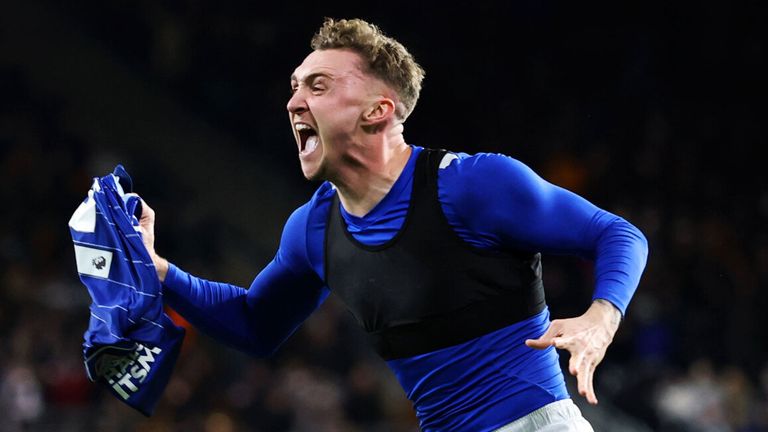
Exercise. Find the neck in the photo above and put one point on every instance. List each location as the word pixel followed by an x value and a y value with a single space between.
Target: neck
pixel 367 181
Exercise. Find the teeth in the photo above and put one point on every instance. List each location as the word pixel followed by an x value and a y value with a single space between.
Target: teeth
pixel 303 126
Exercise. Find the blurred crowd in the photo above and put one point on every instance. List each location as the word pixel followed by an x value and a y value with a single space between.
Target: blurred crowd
pixel 666 136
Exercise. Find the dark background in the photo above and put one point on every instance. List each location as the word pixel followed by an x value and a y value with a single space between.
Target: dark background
pixel 653 111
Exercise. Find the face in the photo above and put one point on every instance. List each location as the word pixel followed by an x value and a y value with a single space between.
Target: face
pixel 330 95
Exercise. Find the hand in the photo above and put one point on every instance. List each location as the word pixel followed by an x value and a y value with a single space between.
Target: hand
pixel 147 226
pixel 587 338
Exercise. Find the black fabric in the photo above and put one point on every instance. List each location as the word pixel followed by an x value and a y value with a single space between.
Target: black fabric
pixel 426 288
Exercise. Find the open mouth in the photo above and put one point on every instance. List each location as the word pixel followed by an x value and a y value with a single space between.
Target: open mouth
pixel 308 138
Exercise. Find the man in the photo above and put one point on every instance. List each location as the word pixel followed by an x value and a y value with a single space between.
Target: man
pixel 436 254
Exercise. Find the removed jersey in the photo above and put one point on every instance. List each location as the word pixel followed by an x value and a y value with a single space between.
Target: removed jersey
pixel 131 345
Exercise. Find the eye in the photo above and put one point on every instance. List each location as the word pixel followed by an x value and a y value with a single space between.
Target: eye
pixel 318 85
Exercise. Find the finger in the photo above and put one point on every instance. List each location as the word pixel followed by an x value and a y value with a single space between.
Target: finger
pixel 540 343
pixel 147 214
pixel 585 385
pixel 574 363
pixel 566 343
pixel 591 396
pixel 582 379
pixel 545 340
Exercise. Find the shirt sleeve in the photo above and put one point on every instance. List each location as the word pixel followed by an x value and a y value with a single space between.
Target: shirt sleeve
pixel 496 202
pixel 257 320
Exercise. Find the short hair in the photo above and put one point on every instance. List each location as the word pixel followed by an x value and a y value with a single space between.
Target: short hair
pixel 383 57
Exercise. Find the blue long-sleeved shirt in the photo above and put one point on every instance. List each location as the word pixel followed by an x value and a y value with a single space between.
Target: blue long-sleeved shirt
pixel 493 202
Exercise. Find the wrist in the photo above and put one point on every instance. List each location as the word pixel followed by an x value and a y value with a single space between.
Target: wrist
pixel 161 266
pixel 610 312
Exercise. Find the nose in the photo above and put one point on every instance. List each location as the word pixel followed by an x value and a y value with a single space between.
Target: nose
pixel 297 104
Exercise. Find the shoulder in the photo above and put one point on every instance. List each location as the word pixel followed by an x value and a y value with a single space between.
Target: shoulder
pixel 482 164
pixel 487 173
pixel 315 208
pixel 303 233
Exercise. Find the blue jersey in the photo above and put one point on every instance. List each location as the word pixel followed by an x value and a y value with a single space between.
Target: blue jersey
pixel 492 202
pixel 131 345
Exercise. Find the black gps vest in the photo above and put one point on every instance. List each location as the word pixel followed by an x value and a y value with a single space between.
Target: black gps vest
pixel 426 288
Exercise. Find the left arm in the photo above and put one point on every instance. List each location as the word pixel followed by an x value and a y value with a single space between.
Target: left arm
pixel 506 205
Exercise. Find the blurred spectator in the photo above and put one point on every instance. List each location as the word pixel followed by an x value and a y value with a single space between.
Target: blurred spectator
pixel 21 397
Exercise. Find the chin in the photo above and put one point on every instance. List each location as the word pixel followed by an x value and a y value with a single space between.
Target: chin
pixel 314 173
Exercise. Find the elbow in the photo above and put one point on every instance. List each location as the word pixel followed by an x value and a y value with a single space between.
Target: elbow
pixel 262 347
pixel 260 352
pixel 635 244
pixel 256 349
pixel 631 234
pixel 622 237
pixel 642 241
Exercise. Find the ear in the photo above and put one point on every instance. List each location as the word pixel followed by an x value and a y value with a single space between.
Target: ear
pixel 379 111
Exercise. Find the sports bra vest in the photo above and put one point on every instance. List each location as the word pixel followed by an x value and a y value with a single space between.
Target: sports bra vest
pixel 426 288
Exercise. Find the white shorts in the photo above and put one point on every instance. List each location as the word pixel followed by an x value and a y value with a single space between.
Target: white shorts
pixel 560 416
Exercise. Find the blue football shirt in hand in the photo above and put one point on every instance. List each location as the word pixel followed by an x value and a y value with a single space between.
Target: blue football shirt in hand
pixel 131 345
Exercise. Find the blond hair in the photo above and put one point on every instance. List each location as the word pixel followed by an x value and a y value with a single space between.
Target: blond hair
pixel 383 57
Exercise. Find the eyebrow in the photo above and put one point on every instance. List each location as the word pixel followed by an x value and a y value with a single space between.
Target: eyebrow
pixel 311 77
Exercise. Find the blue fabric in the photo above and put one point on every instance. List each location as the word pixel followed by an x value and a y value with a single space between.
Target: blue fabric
pixel 485 383
pixel 492 202
pixel 130 346
pixel 496 202
pixel 385 219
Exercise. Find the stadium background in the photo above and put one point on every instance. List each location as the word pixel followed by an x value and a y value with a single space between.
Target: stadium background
pixel 655 112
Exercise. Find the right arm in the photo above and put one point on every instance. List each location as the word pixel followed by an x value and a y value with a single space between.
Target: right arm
pixel 256 320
